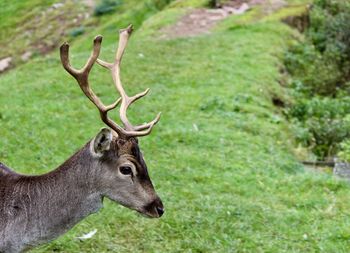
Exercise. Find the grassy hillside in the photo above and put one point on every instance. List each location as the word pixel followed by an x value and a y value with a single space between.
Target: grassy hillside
pixel 220 157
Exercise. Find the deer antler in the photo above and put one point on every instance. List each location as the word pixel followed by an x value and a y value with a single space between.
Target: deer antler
pixel 124 35
pixel 81 76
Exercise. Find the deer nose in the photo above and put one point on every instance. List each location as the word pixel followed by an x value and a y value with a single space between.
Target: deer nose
pixel 160 210
pixel 155 209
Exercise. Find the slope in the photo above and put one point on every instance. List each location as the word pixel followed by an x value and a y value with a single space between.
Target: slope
pixel 221 157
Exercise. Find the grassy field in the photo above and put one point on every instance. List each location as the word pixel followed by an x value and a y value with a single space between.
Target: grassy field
pixel 221 157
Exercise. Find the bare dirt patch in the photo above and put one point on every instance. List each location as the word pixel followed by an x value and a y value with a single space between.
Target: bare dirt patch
pixel 201 21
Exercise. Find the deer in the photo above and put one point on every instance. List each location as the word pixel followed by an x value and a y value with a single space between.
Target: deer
pixel 38 208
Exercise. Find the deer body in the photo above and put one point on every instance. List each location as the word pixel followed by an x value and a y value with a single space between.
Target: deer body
pixel 37 209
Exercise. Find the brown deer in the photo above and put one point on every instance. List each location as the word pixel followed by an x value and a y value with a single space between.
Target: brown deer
pixel 37 209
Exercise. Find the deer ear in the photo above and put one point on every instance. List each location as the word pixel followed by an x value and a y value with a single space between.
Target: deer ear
pixel 101 142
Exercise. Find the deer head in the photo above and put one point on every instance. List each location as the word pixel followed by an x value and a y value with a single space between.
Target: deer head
pixel 123 175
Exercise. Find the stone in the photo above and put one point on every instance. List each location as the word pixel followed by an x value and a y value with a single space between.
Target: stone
pixel 342 169
pixel 26 56
pixel 5 63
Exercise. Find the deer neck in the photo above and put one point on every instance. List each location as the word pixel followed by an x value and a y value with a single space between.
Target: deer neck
pixel 49 205
pixel 73 192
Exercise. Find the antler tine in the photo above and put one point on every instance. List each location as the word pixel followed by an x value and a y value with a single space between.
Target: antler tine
pixel 94 54
pixel 81 76
pixel 64 52
pixel 148 125
pixel 124 35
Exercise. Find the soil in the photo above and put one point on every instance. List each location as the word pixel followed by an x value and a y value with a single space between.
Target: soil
pixel 201 21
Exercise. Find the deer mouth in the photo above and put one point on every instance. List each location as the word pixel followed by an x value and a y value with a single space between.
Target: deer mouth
pixel 155 209
pixel 147 214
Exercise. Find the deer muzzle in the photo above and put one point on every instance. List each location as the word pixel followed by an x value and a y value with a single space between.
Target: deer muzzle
pixel 155 209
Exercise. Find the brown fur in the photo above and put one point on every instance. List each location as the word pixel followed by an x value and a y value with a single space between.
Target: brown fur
pixel 36 209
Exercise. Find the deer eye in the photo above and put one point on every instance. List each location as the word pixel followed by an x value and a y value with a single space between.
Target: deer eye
pixel 125 170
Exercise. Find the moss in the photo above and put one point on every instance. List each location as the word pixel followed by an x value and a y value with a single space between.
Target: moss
pixel 258 14
pixel 238 21
pixel 190 3
pixel 293 10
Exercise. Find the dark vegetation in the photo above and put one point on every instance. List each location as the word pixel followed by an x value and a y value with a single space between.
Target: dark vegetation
pixel 320 67
pixel 110 6
pixel 106 6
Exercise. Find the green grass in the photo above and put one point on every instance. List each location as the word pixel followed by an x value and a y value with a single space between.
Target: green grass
pixel 36 27
pixel 190 3
pixel 31 26
pixel 232 186
pixel 15 12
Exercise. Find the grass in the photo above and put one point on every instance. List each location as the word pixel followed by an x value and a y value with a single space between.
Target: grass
pixel 13 13
pixel 36 27
pixel 232 186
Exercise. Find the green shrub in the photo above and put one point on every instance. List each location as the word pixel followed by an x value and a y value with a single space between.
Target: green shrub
pixel 321 124
pixel 322 62
pixel 316 74
pixel 330 32
pixel 320 65
pixel 344 153
pixel 106 6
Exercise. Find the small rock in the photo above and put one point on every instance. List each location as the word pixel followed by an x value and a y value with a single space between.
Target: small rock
pixel 5 63
pixel 57 5
pixel 90 3
pixel 229 9
pixel 341 169
pixel 202 22
pixel 26 56
pixel 236 11
pixel 242 9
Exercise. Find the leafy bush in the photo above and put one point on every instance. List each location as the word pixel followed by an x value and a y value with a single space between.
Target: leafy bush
pixel 322 62
pixel 344 153
pixel 106 6
pixel 322 124
pixel 330 32
pixel 320 66
pixel 316 74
